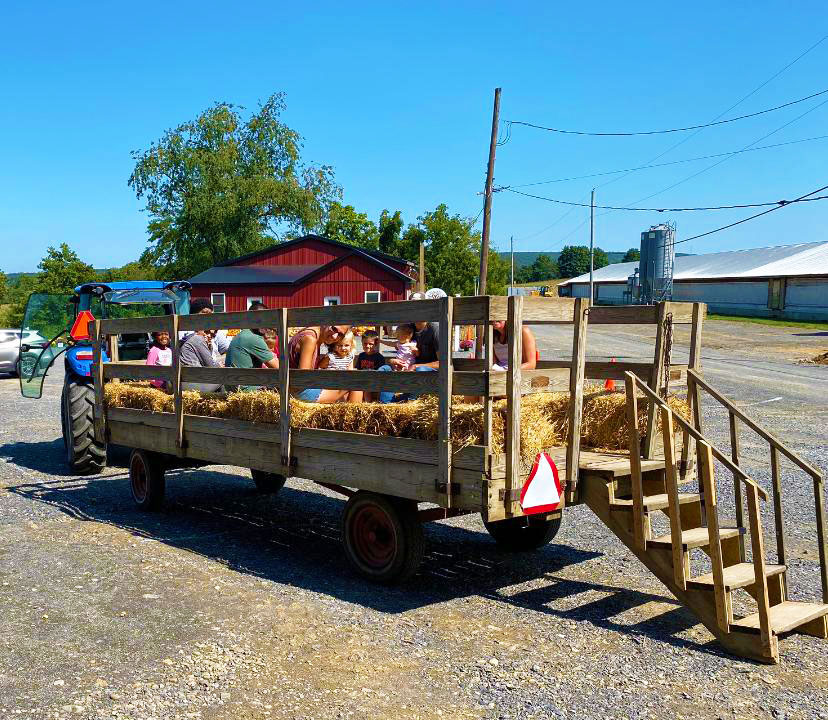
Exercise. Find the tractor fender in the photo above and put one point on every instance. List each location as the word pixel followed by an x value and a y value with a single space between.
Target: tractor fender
pixel 79 360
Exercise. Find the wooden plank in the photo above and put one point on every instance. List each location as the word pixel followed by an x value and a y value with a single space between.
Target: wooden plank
pixel 605 370
pixel 178 399
pixel 680 566
pixel 445 373
pixel 547 310
pixel 757 549
pixel 576 394
pixel 753 424
pixel 249 319
pixel 737 485
pixel 777 505
pixel 119 326
pixel 471 310
pixel 415 382
pixel 531 381
pixel 623 315
pixel 285 431
pixel 98 380
pixel 488 360
pixel 514 322
pixel 382 313
pixel 634 442
pixel 819 504
pixel 724 610
pixel 141 417
pixel 128 371
pixel 656 375
pixel 230 376
pixel 693 396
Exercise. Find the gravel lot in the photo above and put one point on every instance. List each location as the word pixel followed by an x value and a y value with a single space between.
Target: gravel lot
pixel 228 604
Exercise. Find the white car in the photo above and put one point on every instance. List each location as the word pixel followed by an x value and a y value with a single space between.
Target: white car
pixel 10 347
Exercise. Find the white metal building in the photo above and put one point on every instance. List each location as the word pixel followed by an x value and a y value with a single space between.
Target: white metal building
pixel 785 282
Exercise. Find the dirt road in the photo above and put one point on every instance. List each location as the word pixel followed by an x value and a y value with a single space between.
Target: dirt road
pixel 230 604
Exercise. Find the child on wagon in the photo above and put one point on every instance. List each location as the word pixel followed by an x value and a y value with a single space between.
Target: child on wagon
pixel 160 353
pixel 405 346
pixel 339 355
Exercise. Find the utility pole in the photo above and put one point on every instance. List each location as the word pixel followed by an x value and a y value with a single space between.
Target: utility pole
pixel 421 275
pixel 512 254
pixel 487 196
pixel 487 216
pixel 591 246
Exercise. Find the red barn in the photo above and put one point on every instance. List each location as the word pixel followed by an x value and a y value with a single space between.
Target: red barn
pixel 308 271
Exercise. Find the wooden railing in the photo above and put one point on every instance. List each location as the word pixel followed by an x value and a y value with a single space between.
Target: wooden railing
pixel 706 452
pixel 736 416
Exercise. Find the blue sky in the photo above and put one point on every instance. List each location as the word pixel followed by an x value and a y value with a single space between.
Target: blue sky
pixel 397 98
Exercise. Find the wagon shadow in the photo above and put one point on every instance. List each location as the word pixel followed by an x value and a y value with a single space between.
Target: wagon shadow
pixel 293 539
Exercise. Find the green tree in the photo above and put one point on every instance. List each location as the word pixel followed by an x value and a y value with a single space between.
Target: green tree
pixel 135 270
pixel 4 287
pixel 544 268
pixel 345 224
pixel 600 259
pixel 632 255
pixel 61 270
pixel 390 232
pixel 573 261
pixel 222 185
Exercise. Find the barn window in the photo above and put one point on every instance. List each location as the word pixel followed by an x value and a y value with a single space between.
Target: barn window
pixel 373 296
pixel 218 301
pixel 251 300
pixel 332 300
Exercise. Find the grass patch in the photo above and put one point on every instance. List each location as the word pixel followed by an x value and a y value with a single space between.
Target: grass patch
pixel 773 322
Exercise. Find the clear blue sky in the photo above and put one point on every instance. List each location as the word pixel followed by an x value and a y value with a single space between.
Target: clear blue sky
pixel 397 98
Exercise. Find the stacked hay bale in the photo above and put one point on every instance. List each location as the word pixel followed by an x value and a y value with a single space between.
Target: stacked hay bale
pixel 544 422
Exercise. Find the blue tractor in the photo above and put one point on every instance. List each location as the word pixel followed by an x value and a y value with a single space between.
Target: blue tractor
pixel 64 319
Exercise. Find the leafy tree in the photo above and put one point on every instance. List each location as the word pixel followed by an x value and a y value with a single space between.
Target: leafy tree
pixel 600 259
pixel 4 287
pixel 390 232
pixel 61 270
pixel 136 270
pixel 631 255
pixel 345 224
pixel 222 185
pixel 574 260
pixel 16 297
pixel 544 268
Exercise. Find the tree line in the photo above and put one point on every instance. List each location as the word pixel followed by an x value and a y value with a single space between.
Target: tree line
pixel 572 261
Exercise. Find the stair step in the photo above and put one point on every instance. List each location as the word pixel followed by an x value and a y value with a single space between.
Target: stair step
pixel 735 576
pixel 786 616
pixel 654 502
pixel 694 538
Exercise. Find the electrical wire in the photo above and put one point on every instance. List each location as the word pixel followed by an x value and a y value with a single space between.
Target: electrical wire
pixel 658 165
pixel 672 130
pixel 660 210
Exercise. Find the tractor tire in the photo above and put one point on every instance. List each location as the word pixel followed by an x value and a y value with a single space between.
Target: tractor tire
pixel 383 537
pixel 83 453
pixel 266 482
pixel 147 482
pixel 523 534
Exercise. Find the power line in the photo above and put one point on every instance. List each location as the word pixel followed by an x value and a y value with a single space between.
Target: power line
pixel 660 210
pixel 801 198
pixel 672 130
pixel 658 165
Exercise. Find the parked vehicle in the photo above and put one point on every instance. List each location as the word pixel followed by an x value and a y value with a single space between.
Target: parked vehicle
pixel 11 357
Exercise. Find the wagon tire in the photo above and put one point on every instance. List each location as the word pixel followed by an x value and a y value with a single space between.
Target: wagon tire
pixel 146 479
pixel 266 482
pixel 523 534
pixel 84 454
pixel 383 537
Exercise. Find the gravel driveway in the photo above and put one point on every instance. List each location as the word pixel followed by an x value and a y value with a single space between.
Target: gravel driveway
pixel 229 604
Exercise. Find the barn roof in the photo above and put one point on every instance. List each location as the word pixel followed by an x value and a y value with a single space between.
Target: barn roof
pixel 254 274
pixel 778 261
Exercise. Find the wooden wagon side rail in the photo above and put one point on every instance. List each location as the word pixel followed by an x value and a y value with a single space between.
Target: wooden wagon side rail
pixel 777 447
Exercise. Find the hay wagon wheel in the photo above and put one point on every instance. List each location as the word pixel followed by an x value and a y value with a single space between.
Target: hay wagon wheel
pixel 383 536
pixel 266 482
pixel 146 479
pixel 522 534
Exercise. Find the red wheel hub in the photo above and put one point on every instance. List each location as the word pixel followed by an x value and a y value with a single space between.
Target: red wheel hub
pixel 373 536
pixel 138 477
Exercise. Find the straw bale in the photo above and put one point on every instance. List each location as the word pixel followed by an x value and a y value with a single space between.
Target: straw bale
pixel 543 415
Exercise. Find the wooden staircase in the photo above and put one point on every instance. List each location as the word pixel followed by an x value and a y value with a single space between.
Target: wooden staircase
pixel 631 506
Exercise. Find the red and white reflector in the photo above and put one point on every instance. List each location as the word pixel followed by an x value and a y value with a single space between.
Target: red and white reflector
pixel 80 328
pixel 542 491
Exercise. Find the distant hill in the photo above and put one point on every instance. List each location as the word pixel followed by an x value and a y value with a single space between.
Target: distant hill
pixel 527 258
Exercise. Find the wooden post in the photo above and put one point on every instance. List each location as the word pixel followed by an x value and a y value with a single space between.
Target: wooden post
pixel 724 611
pixel 694 363
pixel 737 483
pixel 514 323
pixel 421 274
pixel 488 343
pixel 178 398
pixel 655 379
pixel 681 568
pixel 820 523
pixel 634 442
pixel 576 396
pixel 757 549
pixel 777 506
pixel 98 380
pixel 284 388
pixel 446 371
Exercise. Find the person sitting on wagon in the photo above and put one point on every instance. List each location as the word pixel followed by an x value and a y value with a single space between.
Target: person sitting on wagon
pixel 220 342
pixel 303 354
pixel 340 354
pixel 249 349
pixel 500 347
pixel 370 358
pixel 197 351
pixel 405 346
pixel 160 353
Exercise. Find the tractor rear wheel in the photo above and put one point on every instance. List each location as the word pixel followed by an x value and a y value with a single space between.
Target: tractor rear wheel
pixel 521 534
pixel 77 407
pixel 146 479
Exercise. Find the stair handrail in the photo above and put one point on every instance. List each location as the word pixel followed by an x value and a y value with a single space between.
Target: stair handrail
pixel 776 446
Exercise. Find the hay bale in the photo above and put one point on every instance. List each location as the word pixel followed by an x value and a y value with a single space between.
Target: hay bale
pixel 544 416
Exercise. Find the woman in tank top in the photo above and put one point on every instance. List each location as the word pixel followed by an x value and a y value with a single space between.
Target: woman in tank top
pixel 303 354
pixel 500 347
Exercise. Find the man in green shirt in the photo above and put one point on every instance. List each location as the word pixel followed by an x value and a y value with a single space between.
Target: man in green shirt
pixel 249 350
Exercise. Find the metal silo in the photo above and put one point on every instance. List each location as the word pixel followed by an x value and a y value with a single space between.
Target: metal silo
pixel 656 265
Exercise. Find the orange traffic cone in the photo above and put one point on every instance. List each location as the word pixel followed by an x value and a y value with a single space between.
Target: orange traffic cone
pixel 610 383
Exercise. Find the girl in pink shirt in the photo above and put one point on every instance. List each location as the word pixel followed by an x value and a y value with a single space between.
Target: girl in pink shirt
pixel 160 353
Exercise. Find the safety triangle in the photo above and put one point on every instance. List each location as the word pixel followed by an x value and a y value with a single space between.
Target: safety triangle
pixel 541 492
pixel 80 328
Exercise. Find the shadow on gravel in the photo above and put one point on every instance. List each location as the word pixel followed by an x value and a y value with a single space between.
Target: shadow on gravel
pixel 294 539
pixel 48 456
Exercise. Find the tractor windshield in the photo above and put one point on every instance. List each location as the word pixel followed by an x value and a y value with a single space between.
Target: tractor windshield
pixel 43 336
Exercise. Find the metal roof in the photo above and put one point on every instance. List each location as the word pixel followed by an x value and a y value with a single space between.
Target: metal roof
pixel 779 261
pixel 131 285
pixel 253 274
